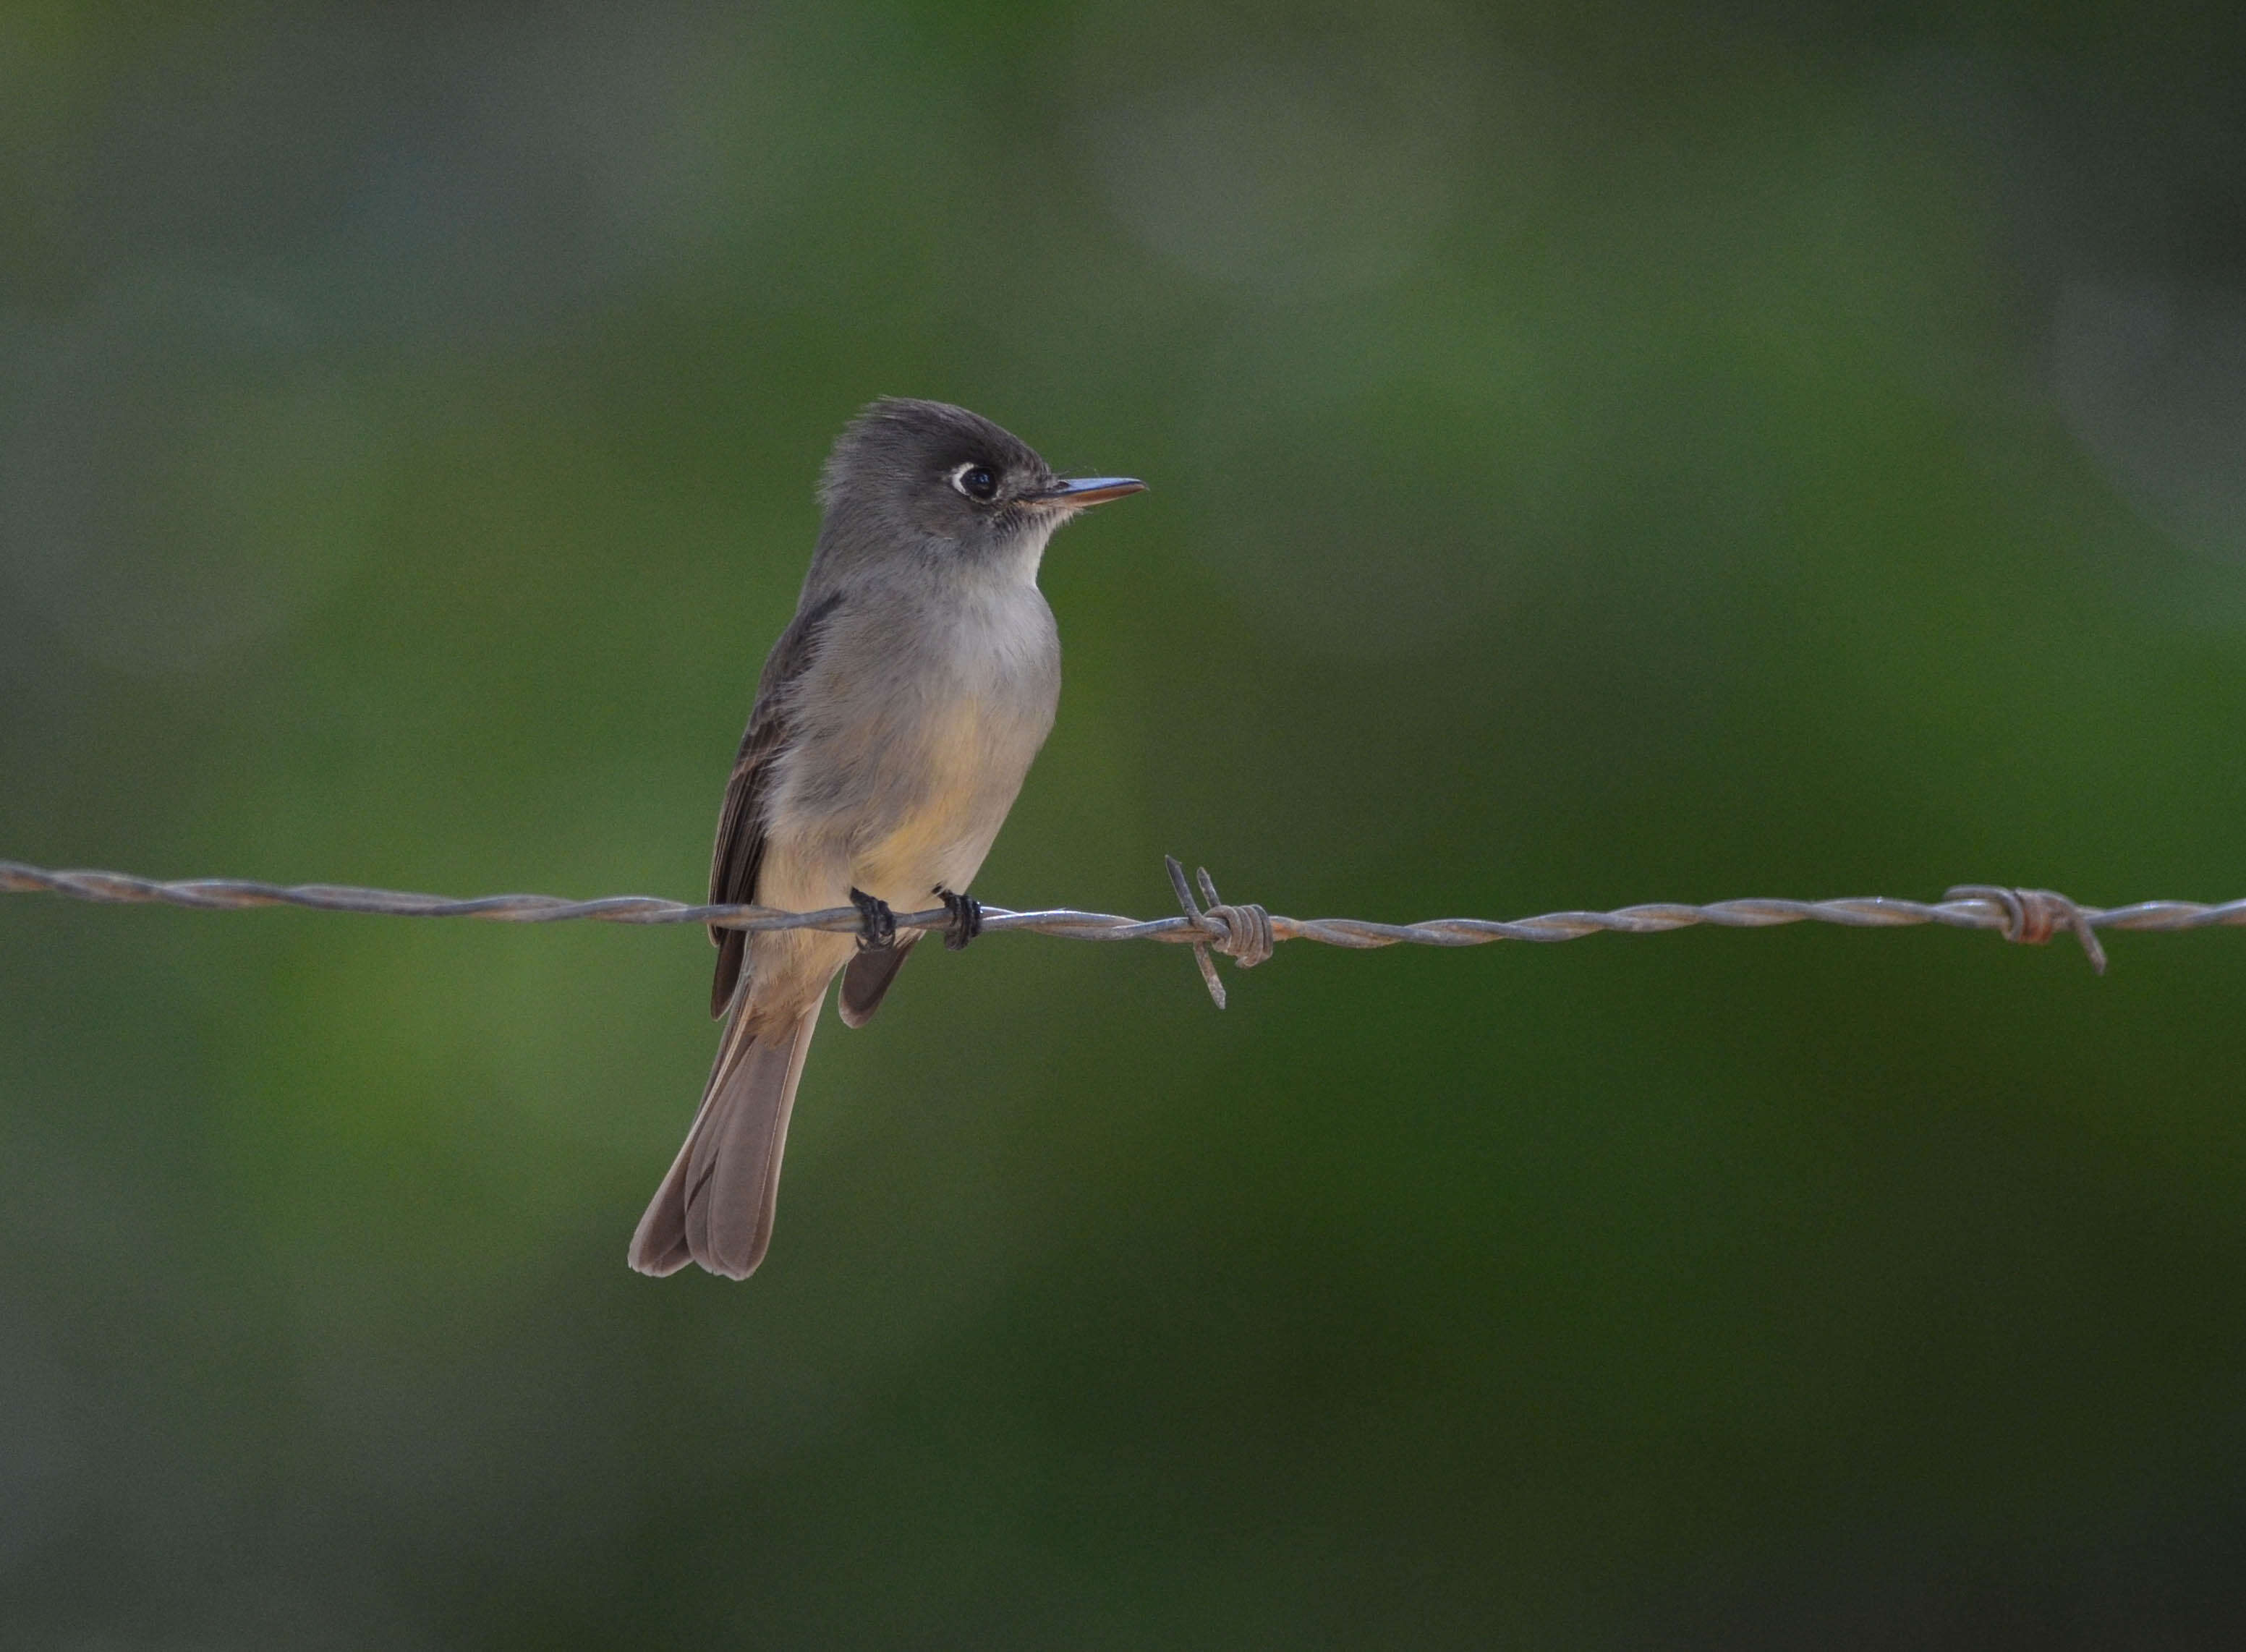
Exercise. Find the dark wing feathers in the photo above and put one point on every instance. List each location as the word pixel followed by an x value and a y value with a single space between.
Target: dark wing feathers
pixel 741 846
pixel 866 980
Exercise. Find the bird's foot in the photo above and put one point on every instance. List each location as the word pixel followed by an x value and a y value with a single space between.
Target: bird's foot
pixel 877 925
pixel 966 918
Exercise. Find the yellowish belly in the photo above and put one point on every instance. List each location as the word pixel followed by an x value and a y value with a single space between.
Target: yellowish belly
pixel 965 786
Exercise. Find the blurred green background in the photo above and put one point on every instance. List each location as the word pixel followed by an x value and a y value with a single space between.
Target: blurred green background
pixel 1600 453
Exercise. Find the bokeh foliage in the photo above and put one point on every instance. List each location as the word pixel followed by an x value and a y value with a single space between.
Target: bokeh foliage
pixel 1600 453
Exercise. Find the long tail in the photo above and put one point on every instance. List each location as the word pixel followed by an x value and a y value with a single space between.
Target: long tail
pixel 716 1206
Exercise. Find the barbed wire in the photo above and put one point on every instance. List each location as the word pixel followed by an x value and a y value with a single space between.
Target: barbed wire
pixel 1247 933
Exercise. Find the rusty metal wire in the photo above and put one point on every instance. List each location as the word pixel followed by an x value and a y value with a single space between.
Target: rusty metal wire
pixel 1245 933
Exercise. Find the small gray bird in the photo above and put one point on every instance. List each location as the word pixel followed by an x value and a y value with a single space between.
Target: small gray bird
pixel 896 719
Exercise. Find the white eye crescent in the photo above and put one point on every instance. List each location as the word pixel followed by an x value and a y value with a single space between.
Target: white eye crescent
pixel 974 481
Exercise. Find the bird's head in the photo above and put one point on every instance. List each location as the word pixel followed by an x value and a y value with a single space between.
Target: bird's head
pixel 950 483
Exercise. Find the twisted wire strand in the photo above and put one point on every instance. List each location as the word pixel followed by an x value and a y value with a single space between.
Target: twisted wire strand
pixel 1246 934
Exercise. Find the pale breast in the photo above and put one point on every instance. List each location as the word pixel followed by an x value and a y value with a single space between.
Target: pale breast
pixel 916 732
pixel 970 725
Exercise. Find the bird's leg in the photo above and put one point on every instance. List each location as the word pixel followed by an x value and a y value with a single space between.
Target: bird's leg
pixel 877 925
pixel 966 918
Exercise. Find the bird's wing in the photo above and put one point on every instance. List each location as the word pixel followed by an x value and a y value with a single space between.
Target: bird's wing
pixel 866 980
pixel 741 846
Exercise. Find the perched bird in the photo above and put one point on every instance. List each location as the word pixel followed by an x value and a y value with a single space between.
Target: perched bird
pixel 896 719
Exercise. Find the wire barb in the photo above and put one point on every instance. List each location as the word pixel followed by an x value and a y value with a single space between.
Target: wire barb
pixel 2032 917
pixel 1241 933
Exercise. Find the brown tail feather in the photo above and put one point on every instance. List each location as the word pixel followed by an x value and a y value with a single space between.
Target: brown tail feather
pixel 716 1206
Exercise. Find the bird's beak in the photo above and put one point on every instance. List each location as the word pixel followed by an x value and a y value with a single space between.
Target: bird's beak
pixel 1088 490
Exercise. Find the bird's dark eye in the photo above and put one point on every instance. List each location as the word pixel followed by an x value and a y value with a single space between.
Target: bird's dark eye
pixel 976 481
